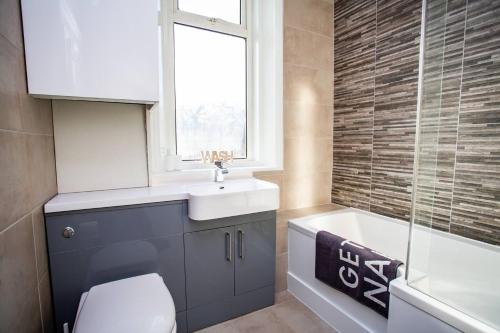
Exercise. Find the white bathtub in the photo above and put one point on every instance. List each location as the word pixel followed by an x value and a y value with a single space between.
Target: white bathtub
pixel 441 255
pixel 386 235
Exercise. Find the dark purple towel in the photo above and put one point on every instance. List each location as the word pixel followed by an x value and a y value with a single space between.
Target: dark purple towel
pixel 355 270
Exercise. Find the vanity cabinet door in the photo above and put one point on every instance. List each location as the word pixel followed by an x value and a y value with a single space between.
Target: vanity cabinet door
pixel 255 255
pixel 209 258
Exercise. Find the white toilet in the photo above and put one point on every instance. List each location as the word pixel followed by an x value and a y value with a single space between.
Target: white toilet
pixel 138 304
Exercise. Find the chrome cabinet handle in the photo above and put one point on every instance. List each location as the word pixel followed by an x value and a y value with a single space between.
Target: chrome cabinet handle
pixel 68 232
pixel 228 246
pixel 241 239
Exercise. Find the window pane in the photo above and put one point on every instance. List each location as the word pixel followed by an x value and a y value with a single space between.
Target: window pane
pixel 228 10
pixel 210 92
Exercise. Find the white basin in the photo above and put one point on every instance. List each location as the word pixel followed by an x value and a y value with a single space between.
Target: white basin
pixel 231 198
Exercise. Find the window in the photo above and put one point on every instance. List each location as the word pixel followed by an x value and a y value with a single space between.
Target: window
pixel 228 10
pixel 210 77
pixel 221 85
pixel 210 92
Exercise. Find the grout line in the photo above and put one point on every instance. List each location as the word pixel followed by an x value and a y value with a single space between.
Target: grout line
pixel 37 270
pixel 306 30
pixel 16 47
pixel 37 205
pixel 24 132
pixel 287 63
pixel 16 222
pixel 458 114
pixel 34 247
pixel 309 31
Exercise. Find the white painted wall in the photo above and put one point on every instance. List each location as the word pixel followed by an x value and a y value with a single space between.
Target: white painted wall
pixel 99 145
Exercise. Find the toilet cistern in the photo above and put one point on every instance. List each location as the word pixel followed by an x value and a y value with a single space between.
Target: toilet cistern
pixel 220 171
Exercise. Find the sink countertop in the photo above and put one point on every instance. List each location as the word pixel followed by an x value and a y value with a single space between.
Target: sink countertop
pixel 141 195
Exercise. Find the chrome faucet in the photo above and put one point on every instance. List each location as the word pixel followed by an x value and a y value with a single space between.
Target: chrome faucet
pixel 220 171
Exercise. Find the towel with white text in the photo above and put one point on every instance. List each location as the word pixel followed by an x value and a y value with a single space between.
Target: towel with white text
pixel 355 270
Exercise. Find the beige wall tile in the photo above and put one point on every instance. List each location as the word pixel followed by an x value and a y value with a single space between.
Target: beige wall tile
pixel 10 117
pixel 307 157
pixel 313 15
pixel 10 22
pixel 307 85
pixel 308 49
pixel 27 181
pixel 15 192
pixel 42 168
pixel 18 278
pixel 307 120
pixel 27 317
pixel 36 115
pixel 281 237
pixel 281 271
pixel 298 47
pixel 323 46
pixel 308 105
pixel 40 242
pixel 304 191
pixel 46 304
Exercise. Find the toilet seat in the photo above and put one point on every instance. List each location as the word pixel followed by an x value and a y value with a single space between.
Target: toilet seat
pixel 138 304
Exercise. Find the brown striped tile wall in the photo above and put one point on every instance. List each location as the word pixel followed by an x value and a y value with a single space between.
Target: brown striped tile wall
pixel 354 85
pixel 441 99
pixel 396 79
pixel 458 184
pixel 475 210
pixel 375 98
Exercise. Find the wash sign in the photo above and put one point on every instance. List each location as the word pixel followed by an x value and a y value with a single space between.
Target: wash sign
pixel 357 271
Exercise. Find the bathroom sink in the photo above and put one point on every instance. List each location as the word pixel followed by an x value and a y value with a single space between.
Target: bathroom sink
pixel 231 198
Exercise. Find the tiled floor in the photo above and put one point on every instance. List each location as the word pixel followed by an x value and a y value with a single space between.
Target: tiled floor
pixel 287 315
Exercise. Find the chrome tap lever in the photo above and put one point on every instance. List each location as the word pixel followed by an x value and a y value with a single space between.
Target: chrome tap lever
pixel 220 171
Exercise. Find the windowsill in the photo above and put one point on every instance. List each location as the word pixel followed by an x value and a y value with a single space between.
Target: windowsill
pixel 206 172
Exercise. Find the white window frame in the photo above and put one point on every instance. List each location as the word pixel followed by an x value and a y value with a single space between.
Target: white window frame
pixel 262 26
pixel 242 30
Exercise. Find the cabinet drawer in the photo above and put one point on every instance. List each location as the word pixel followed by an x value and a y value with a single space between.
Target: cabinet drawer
pixel 101 227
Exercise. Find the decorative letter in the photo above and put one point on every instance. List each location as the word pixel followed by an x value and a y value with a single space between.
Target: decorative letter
pixel 350 272
pixel 205 156
pixel 348 258
pixel 380 270
pixel 380 289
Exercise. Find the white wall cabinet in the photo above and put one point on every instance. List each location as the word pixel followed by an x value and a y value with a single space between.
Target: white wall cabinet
pixel 104 50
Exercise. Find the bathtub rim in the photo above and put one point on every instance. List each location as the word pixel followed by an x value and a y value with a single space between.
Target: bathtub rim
pixel 299 225
pixel 446 313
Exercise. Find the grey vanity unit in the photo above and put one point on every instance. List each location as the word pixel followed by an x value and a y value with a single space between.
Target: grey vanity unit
pixel 215 270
